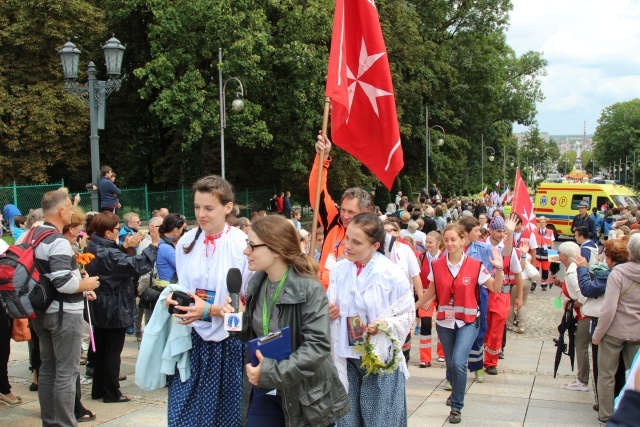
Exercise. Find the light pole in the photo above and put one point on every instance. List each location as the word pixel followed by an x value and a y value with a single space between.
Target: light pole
pixel 236 105
pixel 428 145
pixel 491 156
pixel 93 94
pixel 504 167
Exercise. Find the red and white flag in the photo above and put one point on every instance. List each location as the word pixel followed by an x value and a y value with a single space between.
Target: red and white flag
pixel 485 193
pixel 498 184
pixel 363 108
pixel 522 204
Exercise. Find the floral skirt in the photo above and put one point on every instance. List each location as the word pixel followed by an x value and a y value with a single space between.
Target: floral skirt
pixel 212 396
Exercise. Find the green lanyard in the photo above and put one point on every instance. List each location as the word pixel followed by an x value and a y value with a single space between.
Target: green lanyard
pixel 266 318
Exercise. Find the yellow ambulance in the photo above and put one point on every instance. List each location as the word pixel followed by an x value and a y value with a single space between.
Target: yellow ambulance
pixel 559 201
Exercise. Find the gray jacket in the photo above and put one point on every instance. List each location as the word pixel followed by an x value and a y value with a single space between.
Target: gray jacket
pixel 308 382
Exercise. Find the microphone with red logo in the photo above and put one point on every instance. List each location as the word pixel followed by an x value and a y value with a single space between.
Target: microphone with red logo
pixel 233 321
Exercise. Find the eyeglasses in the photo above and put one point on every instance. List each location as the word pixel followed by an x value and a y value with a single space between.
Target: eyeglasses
pixel 253 247
pixel 180 223
pixel 117 228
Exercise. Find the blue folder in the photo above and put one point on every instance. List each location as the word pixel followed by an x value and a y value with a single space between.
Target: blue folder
pixel 276 346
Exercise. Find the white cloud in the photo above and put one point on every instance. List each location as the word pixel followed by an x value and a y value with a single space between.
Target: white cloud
pixel 591 47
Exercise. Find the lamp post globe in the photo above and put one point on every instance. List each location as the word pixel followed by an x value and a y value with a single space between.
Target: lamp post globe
pixel 491 158
pixel 237 105
pixel 440 142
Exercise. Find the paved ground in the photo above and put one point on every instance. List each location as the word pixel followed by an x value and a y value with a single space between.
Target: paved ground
pixel 523 394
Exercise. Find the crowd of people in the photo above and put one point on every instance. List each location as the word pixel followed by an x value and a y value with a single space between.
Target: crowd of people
pixel 349 306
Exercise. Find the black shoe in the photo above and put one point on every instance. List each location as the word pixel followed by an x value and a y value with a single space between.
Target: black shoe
pixel 33 387
pixel 501 355
pixel 533 286
pixel 601 421
pixel 122 378
pixel 455 417
pixel 448 403
pixel 491 370
pixel 89 373
pixel 544 287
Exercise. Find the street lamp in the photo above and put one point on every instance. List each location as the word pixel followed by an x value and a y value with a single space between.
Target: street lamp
pixel 491 157
pixel 236 105
pixel 439 142
pixel 93 94
pixel 504 163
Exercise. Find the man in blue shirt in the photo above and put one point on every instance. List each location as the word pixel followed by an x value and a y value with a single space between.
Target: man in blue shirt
pixel 109 193
pixel 10 212
pixel 588 249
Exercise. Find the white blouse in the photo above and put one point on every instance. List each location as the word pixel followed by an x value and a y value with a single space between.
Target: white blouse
pixel 196 271
pixel 380 284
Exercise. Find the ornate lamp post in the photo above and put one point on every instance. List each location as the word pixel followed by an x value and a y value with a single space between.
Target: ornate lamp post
pixel 492 156
pixel 93 94
pixel 439 142
pixel 236 105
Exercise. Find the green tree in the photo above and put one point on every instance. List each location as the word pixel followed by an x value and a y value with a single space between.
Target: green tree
pixel 618 132
pixel 44 132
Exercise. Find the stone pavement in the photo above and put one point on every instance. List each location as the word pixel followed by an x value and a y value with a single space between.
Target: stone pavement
pixel 523 394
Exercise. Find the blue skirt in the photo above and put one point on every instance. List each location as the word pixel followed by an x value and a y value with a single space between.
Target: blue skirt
pixel 212 396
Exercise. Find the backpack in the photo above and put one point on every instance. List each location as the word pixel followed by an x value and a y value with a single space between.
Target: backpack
pixel 22 293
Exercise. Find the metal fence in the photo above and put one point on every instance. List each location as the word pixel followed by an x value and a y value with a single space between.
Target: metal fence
pixel 138 200
pixel 26 197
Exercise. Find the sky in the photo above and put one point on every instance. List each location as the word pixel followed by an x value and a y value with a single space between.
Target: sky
pixel 593 53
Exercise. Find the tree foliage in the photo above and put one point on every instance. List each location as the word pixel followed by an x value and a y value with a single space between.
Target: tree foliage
pixel 163 127
pixel 618 133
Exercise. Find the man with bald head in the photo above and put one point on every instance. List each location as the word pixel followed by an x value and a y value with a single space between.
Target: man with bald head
pixel 163 212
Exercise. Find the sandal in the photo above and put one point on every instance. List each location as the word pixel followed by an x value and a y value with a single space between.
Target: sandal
pixel 455 417
pixel 9 401
pixel 33 387
pixel 88 416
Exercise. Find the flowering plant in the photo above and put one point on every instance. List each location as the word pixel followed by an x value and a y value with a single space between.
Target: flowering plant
pixel 84 259
pixel 371 361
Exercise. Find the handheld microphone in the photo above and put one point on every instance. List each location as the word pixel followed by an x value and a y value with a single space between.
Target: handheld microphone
pixel 233 321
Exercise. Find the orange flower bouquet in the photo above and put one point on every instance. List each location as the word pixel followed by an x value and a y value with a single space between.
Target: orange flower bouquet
pixel 83 260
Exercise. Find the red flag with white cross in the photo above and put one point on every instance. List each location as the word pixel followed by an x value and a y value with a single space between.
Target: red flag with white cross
pixel 522 204
pixel 363 108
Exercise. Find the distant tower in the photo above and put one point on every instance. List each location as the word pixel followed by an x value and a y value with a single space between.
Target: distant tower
pixel 584 135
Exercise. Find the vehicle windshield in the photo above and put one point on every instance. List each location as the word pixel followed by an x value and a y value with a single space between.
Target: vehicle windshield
pixel 626 200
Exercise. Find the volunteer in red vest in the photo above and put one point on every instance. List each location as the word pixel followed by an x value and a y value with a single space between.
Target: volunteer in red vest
pixel 521 234
pixel 434 246
pixel 544 240
pixel 333 221
pixel 501 231
pixel 456 280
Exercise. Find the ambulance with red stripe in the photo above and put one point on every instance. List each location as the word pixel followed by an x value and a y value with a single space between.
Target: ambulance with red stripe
pixel 559 201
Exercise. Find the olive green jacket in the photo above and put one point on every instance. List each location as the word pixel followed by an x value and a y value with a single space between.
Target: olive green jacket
pixel 307 382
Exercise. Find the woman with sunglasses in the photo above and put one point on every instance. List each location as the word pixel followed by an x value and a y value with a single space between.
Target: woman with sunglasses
pixel 285 292
pixel 113 309
pixel 212 395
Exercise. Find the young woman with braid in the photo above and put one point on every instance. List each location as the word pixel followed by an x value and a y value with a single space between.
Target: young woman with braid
pixel 212 396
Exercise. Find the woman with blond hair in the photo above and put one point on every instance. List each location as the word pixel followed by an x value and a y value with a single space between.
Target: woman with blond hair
pixel 455 281
pixel 285 292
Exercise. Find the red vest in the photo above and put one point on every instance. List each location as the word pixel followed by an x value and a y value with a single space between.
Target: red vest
pixel 425 269
pixel 463 289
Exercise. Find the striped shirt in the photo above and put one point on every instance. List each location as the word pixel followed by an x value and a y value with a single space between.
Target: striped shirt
pixel 56 262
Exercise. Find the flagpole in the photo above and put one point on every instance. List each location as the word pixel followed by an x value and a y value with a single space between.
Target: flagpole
pixel 314 224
